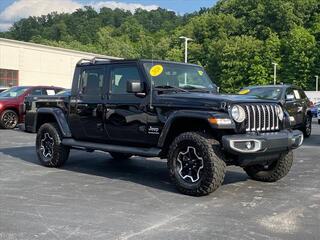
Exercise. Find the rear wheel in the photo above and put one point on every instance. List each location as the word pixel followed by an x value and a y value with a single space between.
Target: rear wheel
pixel 9 119
pixel 196 164
pixel 272 172
pixel 318 121
pixel 120 156
pixel 50 151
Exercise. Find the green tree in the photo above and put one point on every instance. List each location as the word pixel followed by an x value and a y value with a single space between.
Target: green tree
pixel 298 57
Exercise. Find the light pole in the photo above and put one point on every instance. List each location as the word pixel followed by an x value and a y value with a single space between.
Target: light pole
pixel 275 73
pixel 317 83
pixel 186 39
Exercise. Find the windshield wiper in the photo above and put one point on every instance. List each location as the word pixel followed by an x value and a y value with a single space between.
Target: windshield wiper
pixel 170 88
pixel 192 88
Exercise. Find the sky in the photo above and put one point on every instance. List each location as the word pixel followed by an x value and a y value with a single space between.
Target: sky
pixel 13 10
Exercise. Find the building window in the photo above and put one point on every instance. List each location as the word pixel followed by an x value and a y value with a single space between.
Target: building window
pixel 9 78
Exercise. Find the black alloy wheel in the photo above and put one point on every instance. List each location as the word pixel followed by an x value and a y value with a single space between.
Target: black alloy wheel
pixel 189 165
pixel 9 119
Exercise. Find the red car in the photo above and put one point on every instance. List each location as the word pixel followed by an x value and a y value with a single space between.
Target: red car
pixel 12 100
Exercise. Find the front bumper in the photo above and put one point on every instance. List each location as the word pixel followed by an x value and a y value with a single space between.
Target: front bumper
pixel 252 148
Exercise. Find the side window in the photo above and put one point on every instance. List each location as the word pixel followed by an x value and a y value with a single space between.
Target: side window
pixel 91 82
pixel 303 95
pixel 36 92
pixel 120 76
pixel 289 94
pixel 49 92
pixel 296 94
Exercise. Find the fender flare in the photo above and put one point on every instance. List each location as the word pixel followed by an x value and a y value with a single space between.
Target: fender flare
pixel 60 118
pixel 189 114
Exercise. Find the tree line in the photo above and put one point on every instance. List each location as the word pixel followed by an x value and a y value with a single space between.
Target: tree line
pixel 236 40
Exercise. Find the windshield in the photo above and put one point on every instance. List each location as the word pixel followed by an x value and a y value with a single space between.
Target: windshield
pixel 179 76
pixel 64 93
pixel 270 93
pixel 13 92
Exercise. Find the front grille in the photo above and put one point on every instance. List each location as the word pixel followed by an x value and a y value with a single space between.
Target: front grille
pixel 261 118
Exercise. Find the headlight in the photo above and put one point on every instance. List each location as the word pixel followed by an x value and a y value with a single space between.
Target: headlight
pixel 279 112
pixel 238 114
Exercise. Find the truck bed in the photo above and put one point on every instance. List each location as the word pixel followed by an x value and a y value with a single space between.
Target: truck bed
pixel 32 103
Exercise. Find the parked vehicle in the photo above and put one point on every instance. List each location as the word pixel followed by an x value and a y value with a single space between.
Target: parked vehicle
pixel 11 103
pixel 292 98
pixel 314 110
pixel 114 108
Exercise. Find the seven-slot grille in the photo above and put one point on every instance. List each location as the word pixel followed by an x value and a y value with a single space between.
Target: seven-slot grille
pixel 261 118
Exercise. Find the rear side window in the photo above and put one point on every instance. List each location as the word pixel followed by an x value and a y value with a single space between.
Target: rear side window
pixel 91 82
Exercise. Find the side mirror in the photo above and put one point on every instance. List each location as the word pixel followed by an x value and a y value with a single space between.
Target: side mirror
pixel 134 86
pixel 289 97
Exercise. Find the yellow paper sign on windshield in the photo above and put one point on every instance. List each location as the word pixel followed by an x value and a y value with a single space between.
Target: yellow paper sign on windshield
pixel 200 72
pixel 244 91
pixel 156 70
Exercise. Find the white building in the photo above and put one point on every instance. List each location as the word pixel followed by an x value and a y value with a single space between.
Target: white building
pixel 313 96
pixel 29 64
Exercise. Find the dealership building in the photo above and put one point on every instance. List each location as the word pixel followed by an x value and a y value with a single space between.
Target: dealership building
pixel 29 64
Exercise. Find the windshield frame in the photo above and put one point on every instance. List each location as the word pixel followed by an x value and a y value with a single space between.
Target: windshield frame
pixel 188 87
pixel 19 89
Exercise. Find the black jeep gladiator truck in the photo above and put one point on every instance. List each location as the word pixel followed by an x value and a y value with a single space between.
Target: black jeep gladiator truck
pixel 168 110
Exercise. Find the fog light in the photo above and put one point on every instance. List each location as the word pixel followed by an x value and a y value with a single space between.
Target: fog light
pixel 246 145
pixel 249 145
pixel 292 119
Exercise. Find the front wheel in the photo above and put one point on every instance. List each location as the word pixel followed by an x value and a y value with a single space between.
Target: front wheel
pixel 318 121
pixel 307 127
pixel 273 172
pixel 196 164
pixel 50 151
pixel 9 119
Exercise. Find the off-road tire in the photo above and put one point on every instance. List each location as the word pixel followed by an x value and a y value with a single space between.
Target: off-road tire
pixel 120 156
pixel 307 128
pixel 280 168
pixel 60 153
pixel 10 123
pixel 214 166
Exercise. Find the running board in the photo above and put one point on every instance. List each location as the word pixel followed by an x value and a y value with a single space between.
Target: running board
pixel 145 152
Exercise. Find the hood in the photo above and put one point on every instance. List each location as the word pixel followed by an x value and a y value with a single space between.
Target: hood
pixel 206 100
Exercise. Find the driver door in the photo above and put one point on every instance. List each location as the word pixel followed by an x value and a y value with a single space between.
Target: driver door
pixel 127 115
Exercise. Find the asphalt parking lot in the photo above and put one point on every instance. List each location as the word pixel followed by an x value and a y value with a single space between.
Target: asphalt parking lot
pixel 94 197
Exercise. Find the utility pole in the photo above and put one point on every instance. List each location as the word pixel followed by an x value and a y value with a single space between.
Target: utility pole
pixel 275 73
pixel 186 39
pixel 317 83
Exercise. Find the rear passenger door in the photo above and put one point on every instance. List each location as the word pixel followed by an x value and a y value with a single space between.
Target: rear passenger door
pixel 86 109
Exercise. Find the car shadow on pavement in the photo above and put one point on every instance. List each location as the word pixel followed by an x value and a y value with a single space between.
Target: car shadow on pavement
pixel 148 172
pixel 312 141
